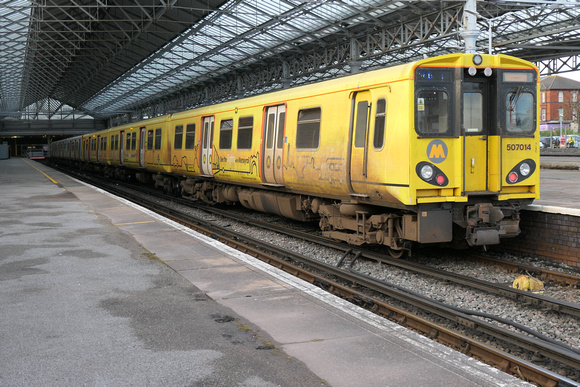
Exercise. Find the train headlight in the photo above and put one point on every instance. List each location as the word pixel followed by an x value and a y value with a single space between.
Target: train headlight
pixel 426 172
pixel 477 59
pixel 525 169
pixel 472 71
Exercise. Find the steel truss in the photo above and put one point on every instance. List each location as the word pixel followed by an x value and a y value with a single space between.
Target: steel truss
pixel 125 60
pixel 524 32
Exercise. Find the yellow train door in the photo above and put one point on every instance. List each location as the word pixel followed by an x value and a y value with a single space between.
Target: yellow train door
pixel 206 146
pixel 273 143
pixel 476 131
pixel 359 143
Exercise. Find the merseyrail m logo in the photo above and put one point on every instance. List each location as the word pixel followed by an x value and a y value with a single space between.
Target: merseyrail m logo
pixel 437 151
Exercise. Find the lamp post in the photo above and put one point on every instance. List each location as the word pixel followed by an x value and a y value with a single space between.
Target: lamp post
pixel 561 132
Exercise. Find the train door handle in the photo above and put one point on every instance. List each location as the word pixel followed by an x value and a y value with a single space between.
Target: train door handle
pixel 483 138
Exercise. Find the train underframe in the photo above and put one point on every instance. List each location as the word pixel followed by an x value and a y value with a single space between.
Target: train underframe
pixel 480 222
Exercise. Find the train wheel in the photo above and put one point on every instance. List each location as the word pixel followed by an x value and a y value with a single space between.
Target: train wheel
pixel 396 253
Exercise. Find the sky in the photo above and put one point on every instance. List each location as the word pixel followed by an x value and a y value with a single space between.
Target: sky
pixel 575 75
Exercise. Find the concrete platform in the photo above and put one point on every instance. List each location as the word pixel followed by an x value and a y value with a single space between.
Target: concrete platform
pixel 97 291
pixel 560 184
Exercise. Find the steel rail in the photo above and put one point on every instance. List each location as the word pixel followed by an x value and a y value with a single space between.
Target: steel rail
pixel 544 274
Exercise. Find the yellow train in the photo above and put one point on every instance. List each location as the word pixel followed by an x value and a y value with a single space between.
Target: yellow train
pixel 440 149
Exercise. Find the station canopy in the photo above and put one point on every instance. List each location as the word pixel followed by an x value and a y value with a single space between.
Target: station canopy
pixel 125 60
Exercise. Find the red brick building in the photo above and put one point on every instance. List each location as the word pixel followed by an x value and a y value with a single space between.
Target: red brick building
pixel 559 96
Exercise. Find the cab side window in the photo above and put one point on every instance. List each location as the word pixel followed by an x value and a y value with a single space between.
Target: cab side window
pixel 380 115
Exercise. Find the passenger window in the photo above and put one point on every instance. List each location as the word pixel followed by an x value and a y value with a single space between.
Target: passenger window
pixel 150 139
pixel 157 139
pixel 178 138
pixel 133 141
pixel 245 128
pixel 128 142
pixel 380 115
pixel 432 112
pixel 270 131
pixel 308 129
pixel 360 134
pixel 519 112
pixel 281 122
pixel 190 136
pixel 226 128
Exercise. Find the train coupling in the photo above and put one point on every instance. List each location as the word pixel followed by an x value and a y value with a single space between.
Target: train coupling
pixel 487 224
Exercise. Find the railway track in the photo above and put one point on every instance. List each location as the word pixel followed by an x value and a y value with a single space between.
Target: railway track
pixel 343 280
pixel 499 289
pixel 543 274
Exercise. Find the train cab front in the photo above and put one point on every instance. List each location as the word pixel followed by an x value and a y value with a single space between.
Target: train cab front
pixel 476 117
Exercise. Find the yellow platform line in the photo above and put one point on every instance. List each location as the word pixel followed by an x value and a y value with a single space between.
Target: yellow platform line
pixel 48 177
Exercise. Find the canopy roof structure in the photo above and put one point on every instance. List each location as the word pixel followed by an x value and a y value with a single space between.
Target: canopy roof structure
pixel 124 60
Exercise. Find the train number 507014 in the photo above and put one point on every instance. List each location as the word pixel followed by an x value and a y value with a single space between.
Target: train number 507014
pixel 517 147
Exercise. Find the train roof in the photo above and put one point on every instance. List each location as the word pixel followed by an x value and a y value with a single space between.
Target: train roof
pixel 364 80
